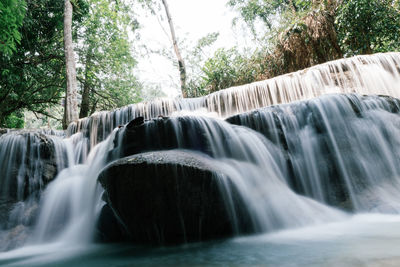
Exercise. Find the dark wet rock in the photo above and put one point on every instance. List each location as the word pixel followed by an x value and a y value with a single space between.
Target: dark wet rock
pixel 161 134
pixel 135 122
pixel 108 228
pixel 171 197
pixel 3 131
pixel 29 162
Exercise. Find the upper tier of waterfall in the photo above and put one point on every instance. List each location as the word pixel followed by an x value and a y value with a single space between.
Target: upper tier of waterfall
pixel 377 74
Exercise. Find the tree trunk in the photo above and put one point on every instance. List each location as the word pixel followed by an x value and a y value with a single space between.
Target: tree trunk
pixel 94 105
pixel 85 105
pixel 71 98
pixel 181 63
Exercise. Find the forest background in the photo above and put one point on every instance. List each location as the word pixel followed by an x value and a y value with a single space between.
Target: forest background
pixel 287 35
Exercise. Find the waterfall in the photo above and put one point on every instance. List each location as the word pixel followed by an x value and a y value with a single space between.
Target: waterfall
pixel 71 204
pixel 296 154
pixel 245 159
pixel 376 74
pixel 29 161
pixel 342 149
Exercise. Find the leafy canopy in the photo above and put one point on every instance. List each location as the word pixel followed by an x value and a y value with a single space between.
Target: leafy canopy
pixel 107 63
pixel 368 26
pixel 32 77
pixel 12 13
pixel 302 33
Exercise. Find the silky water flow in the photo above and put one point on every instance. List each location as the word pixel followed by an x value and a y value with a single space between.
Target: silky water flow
pixel 306 163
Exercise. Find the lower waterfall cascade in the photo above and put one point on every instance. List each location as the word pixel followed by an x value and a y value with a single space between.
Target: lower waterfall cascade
pixel 309 154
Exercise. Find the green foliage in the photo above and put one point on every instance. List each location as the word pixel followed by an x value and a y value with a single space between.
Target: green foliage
pixel 230 67
pixel 195 58
pixel 221 71
pixel 302 33
pixel 268 12
pixel 107 63
pixel 14 120
pixel 32 77
pixel 368 26
pixel 12 13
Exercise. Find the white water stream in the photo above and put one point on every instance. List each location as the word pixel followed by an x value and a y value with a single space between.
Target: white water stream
pixel 294 165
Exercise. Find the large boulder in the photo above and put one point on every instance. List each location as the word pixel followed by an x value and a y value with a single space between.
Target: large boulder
pixel 171 197
pixel 164 133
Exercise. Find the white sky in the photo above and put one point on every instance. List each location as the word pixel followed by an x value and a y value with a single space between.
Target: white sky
pixel 193 19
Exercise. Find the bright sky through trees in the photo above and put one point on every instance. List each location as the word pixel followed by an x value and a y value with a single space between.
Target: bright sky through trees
pixel 193 20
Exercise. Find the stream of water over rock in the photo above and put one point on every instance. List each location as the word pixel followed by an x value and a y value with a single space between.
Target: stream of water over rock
pixel 319 174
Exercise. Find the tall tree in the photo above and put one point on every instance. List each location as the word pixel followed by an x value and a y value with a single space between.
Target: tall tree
pixel 106 61
pixel 155 6
pixel 32 78
pixel 71 96
pixel 181 62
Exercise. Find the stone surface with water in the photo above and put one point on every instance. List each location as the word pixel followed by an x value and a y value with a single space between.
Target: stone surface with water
pixel 171 197
pixel 295 166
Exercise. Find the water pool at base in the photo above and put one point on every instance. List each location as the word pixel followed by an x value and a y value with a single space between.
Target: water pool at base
pixel 362 240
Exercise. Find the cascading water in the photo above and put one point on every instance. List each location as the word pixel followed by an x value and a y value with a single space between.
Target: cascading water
pixel 296 164
pixel 29 161
pixel 68 208
pixel 342 149
pixel 375 74
pixel 70 204
pixel 251 163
